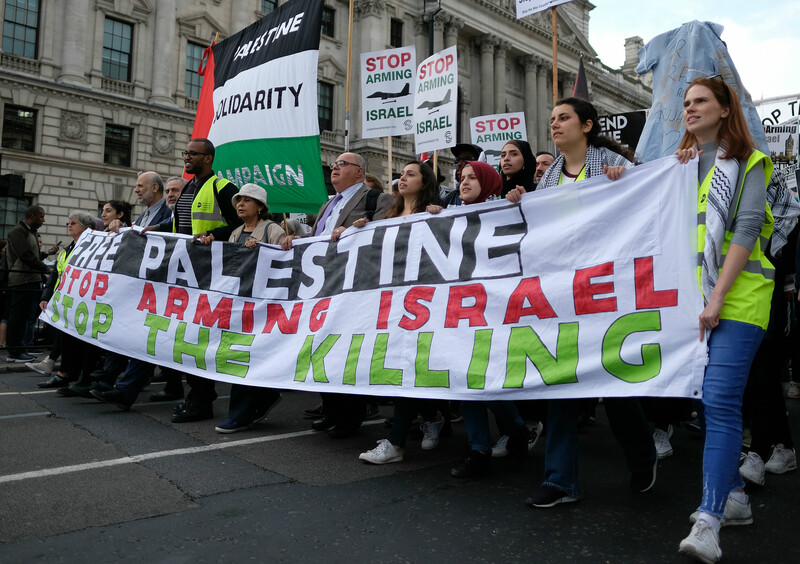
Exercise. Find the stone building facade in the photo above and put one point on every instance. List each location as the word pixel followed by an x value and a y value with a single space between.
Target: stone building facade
pixel 93 91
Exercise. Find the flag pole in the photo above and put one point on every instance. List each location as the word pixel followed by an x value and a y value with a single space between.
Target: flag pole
pixel 555 57
pixel 347 83
pixel 389 165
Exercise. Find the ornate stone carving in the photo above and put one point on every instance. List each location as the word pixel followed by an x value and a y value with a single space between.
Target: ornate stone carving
pixel 163 142
pixel 73 126
pixel 486 43
pixel 453 24
pixel 364 8
pixel 529 62
pixel 501 48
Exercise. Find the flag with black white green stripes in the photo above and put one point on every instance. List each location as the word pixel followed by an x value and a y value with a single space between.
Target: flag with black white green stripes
pixel 258 106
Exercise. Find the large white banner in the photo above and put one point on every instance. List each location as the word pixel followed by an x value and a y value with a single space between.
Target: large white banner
pixel 435 112
pixel 387 92
pixel 528 7
pixel 490 133
pixel 582 291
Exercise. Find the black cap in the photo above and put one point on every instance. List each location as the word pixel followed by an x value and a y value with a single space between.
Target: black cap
pixel 474 150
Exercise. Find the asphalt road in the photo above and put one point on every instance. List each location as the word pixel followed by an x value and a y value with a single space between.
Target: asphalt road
pixel 81 481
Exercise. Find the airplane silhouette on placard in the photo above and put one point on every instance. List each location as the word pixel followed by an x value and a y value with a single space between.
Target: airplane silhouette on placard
pixel 384 95
pixel 431 105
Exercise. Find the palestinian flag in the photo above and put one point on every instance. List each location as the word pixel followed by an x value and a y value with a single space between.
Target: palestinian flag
pixel 258 105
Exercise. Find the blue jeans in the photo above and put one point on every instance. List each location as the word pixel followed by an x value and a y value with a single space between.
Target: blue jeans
pixel 628 423
pixel 731 349
pixel 476 421
pixel 138 374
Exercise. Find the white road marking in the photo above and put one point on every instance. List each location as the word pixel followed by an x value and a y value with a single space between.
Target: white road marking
pixel 33 414
pixel 27 393
pixel 160 454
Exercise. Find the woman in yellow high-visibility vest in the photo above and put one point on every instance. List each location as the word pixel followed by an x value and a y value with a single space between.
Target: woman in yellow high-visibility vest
pixel 734 225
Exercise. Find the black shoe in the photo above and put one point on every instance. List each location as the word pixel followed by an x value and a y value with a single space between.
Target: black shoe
pixel 164 396
pixel 75 391
pixel 193 412
pixel 324 424
pixel 475 465
pixel 314 413
pixel 20 358
pixel 342 432
pixel 548 496
pixel 115 396
pixel 55 381
pixel 643 481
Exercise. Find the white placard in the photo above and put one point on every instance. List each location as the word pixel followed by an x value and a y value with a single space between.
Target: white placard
pixel 490 133
pixel 435 101
pixel 387 92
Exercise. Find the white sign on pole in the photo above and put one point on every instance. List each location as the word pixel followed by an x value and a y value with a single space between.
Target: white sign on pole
pixel 782 141
pixel 528 7
pixel 435 104
pixel 387 92
pixel 490 133
pixel 776 111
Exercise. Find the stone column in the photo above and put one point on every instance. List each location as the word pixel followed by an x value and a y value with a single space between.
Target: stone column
pixel 530 64
pixel 438 33
pixel 486 44
pixel 164 63
pixel 452 27
pixel 543 122
pixel 421 38
pixel 566 81
pixel 370 25
pixel 500 76
pixel 240 17
pixel 73 52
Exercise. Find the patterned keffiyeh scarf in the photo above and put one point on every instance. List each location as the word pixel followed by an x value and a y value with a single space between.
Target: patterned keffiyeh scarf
pixel 785 210
pixel 720 195
pixel 595 159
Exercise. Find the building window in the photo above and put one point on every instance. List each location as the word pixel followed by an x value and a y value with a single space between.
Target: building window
pixel 12 209
pixel 118 145
pixel 328 14
pixel 117 50
pixel 268 5
pixel 396 33
pixel 19 128
pixel 21 27
pixel 194 82
pixel 325 106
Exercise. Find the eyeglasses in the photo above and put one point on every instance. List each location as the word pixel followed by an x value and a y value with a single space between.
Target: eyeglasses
pixel 192 154
pixel 341 164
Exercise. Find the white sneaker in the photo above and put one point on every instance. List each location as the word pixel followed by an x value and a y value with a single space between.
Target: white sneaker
pixel 430 433
pixel 534 432
pixel 44 367
pixel 792 390
pixel 384 453
pixel 782 460
pixel 702 543
pixel 736 513
pixel 752 469
pixel 661 439
pixel 500 448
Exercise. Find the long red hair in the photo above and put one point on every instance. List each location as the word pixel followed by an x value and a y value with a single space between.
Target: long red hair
pixel 733 132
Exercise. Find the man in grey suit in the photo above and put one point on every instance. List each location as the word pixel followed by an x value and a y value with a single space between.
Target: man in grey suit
pixel 342 414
